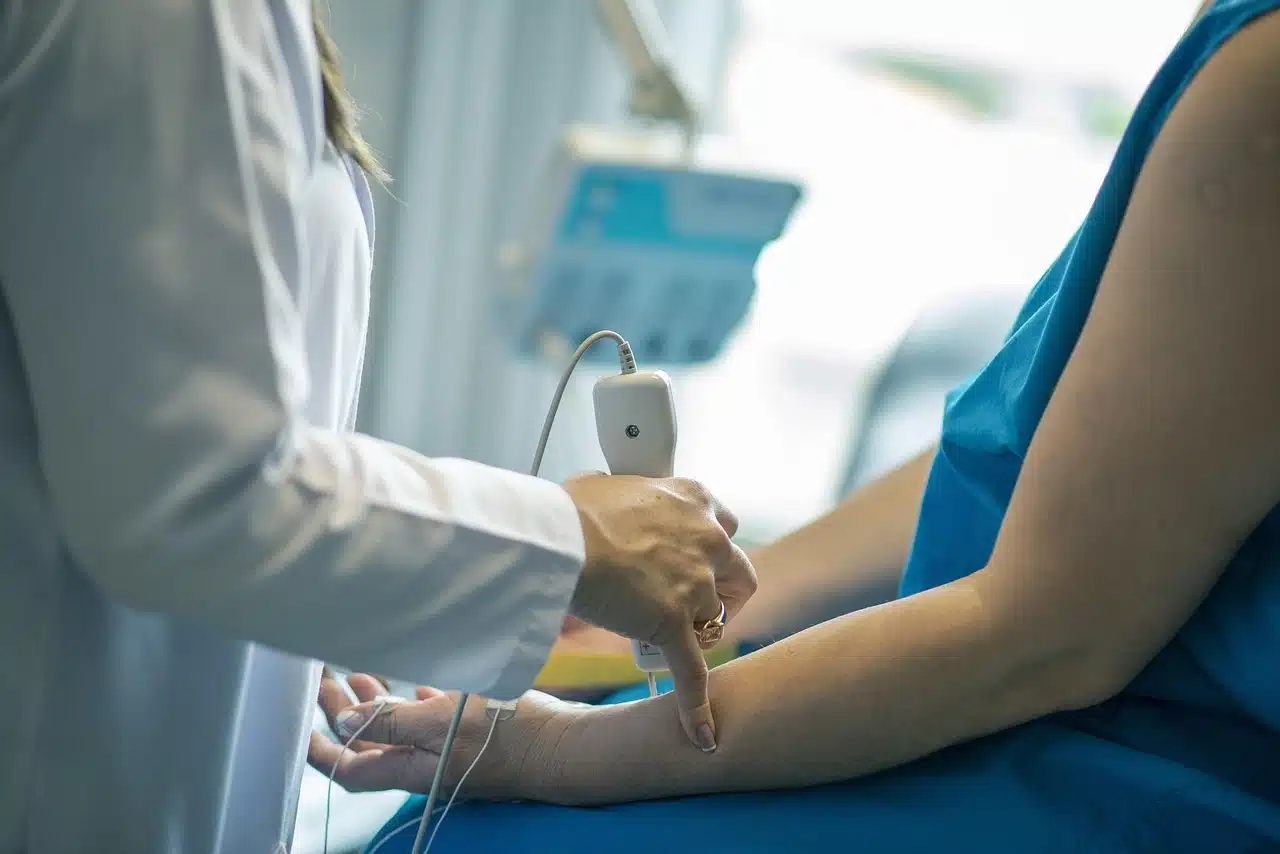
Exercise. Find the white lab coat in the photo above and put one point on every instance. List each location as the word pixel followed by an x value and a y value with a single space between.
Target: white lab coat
pixel 184 273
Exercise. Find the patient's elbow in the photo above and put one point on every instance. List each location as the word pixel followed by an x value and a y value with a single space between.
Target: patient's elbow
pixel 1094 675
pixel 1078 673
pixel 1046 670
pixel 1053 659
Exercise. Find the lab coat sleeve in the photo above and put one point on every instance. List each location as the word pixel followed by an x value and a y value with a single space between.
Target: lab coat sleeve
pixel 153 156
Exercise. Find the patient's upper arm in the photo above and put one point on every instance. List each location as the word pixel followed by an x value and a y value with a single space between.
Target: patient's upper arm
pixel 1160 448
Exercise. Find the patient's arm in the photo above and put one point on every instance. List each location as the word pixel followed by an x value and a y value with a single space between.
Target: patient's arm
pixel 853 554
pixel 1158 453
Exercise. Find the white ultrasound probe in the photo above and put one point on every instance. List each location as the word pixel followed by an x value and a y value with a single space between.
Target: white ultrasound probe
pixel 636 424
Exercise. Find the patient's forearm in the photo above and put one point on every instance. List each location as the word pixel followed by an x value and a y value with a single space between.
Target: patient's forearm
pixel 859 547
pixel 868 691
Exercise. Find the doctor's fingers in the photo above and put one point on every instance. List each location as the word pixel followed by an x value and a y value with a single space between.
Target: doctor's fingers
pixel 736 580
pixel 726 517
pixel 379 769
pixel 689 679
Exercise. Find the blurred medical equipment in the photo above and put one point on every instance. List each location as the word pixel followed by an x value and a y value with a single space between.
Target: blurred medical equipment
pixel 657 92
pixel 654 232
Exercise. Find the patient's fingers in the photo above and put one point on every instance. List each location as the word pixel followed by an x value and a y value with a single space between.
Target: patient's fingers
pixel 373 770
pixel 333 699
pixel 369 688
pixel 424 693
pixel 366 687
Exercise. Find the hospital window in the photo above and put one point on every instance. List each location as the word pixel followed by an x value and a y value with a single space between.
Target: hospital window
pixel 948 150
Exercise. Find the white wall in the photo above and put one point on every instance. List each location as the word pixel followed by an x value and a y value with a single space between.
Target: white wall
pixel 1116 41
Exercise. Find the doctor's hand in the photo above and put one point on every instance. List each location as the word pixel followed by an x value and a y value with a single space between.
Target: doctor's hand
pixel 660 559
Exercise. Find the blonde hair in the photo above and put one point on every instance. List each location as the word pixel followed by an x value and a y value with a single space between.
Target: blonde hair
pixel 340 113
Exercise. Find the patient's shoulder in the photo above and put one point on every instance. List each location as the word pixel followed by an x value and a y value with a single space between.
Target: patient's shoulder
pixel 1215 164
pixel 1228 117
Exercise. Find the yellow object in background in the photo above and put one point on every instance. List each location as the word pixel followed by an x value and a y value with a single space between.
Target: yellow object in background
pixel 586 671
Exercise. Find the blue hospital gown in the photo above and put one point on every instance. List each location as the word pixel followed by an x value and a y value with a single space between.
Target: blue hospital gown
pixel 1187 759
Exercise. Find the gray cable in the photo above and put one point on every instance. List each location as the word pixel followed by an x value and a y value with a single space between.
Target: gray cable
pixel 436 781
pixel 628 364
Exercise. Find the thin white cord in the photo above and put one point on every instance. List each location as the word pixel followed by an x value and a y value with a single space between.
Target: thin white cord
pixel 627 362
pixel 628 365
pixel 416 822
pixel 328 794
pixel 384 840
pixel 458 788
pixel 429 810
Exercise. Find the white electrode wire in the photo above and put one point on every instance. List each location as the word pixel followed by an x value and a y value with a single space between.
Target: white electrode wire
pixel 458 788
pixel 627 361
pixel 417 822
pixel 399 830
pixel 328 794
pixel 628 365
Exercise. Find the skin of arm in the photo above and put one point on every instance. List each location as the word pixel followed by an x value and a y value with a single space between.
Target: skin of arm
pixel 1158 453
pixel 858 548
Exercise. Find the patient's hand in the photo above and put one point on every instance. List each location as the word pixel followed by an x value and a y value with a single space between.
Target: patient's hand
pixel 399 749
pixel 550 750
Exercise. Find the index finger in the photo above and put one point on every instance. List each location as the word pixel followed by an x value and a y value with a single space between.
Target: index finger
pixel 370 770
pixel 689 677
pixel 334 699
pixel 422 724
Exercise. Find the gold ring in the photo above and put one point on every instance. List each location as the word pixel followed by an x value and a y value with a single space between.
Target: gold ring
pixel 710 632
